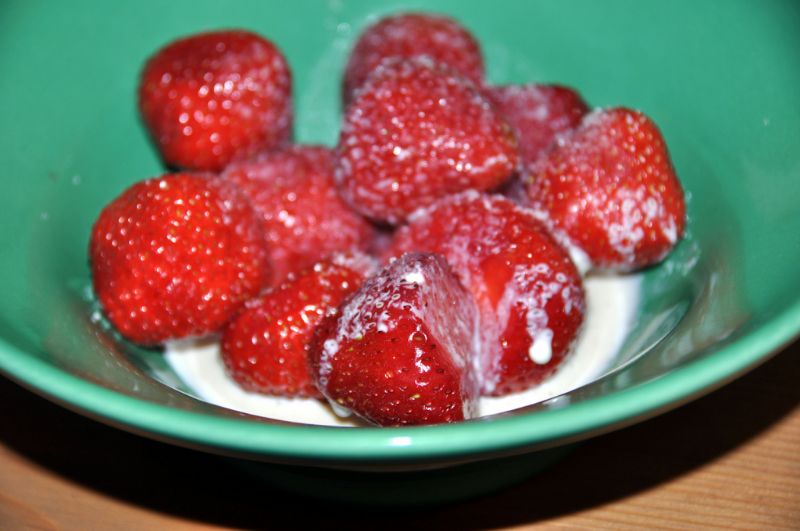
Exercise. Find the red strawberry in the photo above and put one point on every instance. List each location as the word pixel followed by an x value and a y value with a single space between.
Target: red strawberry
pixel 215 97
pixel 529 294
pixel 417 132
pixel 537 113
pixel 412 35
pixel 302 215
pixel 265 347
pixel 609 189
pixel 400 351
pixel 176 256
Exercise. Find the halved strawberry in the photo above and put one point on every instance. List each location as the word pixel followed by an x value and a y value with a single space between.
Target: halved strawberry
pixel 609 189
pixel 265 347
pixel 400 350
pixel 528 292
pixel 212 98
pixel 303 217
pixel 176 256
pixel 416 132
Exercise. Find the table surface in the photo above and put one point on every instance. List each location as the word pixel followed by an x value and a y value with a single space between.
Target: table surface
pixel 728 460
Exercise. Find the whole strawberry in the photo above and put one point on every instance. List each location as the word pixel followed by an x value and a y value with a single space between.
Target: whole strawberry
pixel 265 347
pixel 609 189
pixel 176 256
pixel 212 98
pixel 400 350
pixel 416 132
pixel 537 113
pixel 529 294
pixel 303 217
pixel 412 35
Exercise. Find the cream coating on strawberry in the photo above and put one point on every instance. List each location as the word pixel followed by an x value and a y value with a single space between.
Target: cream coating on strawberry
pixel 413 35
pixel 303 217
pixel 528 292
pixel 399 351
pixel 265 347
pixel 176 257
pixel 416 132
pixel 212 98
pixel 609 189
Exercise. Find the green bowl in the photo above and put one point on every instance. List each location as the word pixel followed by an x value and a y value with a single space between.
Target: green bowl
pixel 719 78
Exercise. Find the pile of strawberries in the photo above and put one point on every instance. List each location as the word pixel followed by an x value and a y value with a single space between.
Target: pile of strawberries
pixel 426 260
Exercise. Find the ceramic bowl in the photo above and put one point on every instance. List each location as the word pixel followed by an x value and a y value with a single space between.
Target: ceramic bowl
pixel 720 80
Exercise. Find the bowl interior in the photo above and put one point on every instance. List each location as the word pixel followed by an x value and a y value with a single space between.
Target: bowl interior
pixel 724 96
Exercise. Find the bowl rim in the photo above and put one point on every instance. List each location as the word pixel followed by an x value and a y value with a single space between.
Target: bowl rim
pixel 513 433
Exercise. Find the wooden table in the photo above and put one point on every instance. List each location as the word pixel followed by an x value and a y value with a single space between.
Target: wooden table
pixel 729 460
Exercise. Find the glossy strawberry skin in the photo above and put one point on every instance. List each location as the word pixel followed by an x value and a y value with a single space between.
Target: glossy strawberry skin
pixel 303 217
pixel 399 350
pixel 528 292
pixel 417 132
pixel 175 257
pixel 537 113
pixel 265 347
pixel 212 98
pixel 412 35
pixel 609 189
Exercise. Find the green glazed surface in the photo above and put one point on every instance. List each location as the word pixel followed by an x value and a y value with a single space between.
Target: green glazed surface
pixel 720 78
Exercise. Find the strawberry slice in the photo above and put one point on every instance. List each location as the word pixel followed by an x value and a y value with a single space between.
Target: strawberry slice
pixel 412 35
pixel 303 217
pixel 400 350
pixel 212 98
pixel 537 113
pixel 528 292
pixel 265 347
pixel 176 256
pixel 418 131
pixel 609 189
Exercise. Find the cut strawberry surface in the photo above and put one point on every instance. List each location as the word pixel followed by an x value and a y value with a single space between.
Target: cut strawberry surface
pixel 529 294
pixel 265 347
pixel 400 350
pixel 176 256
pixel 303 217
pixel 212 98
pixel 609 189
pixel 416 132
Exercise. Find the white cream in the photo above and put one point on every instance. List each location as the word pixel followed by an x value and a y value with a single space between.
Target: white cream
pixel 611 303
pixel 541 351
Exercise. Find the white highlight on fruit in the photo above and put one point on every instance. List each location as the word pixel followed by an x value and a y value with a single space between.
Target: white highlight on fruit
pixel 414 277
pixel 612 303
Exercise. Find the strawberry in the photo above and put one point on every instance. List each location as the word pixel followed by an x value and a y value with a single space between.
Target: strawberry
pixel 537 113
pixel 303 217
pixel 212 98
pixel 529 294
pixel 176 256
pixel 265 347
pixel 609 189
pixel 412 35
pixel 418 131
pixel 400 350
